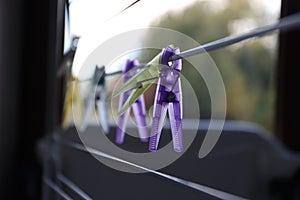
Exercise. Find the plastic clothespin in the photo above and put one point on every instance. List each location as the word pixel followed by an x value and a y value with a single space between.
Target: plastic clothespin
pixel 168 97
pixel 92 100
pixel 138 107
pixel 101 104
pixel 72 95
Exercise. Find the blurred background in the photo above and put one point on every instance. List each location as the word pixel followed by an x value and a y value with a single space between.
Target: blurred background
pixel 247 68
pixel 43 45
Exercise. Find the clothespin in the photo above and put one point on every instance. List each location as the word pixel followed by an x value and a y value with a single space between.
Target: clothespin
pixel 138 107
pixel 168 97
pixel 101 104
pixel 139 83
pixel 72 95
pixel 71 89
pixel 92 100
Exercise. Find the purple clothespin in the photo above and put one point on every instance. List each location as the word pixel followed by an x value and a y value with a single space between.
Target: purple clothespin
pixel 138 107
pixel 168 97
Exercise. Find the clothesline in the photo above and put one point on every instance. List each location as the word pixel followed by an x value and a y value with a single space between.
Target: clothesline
pixel 289 22
pixel 72 186
pixel 286 23
pixel 132 4
pixel 57 189
pixel 201 188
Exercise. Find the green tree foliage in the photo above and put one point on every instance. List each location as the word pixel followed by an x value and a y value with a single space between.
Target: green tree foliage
pixel 247 68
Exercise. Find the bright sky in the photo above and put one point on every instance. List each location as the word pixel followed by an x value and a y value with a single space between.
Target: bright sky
pixel 92 19
pixel 87 14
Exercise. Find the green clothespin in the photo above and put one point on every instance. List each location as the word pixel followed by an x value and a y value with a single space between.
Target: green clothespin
pixel 139 83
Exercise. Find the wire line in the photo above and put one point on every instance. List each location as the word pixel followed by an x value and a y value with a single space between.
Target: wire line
pixel 57 189
pixel 72 186
pixel 208 190
pixel 290 22
pixel 123 10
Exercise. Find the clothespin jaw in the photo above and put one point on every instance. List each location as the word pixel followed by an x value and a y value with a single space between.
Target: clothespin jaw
pixel 90 102
pixel 138 107
pixel 168 97
pixel 139 83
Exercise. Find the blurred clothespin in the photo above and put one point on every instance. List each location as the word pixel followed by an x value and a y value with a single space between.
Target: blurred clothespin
pixel 101 104
pixel 70 89
pixel 96 99
pixel 168 97
pixel 72 97
pixel 138 107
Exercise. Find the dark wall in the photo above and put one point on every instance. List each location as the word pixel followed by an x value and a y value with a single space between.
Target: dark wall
pixel 288 98
pixel 11 43
pixel 31 44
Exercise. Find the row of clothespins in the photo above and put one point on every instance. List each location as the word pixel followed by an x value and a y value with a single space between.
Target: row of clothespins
pixel 168 94
pixel 137 79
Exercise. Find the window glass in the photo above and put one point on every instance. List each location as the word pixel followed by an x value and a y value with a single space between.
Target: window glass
pixel 247 68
